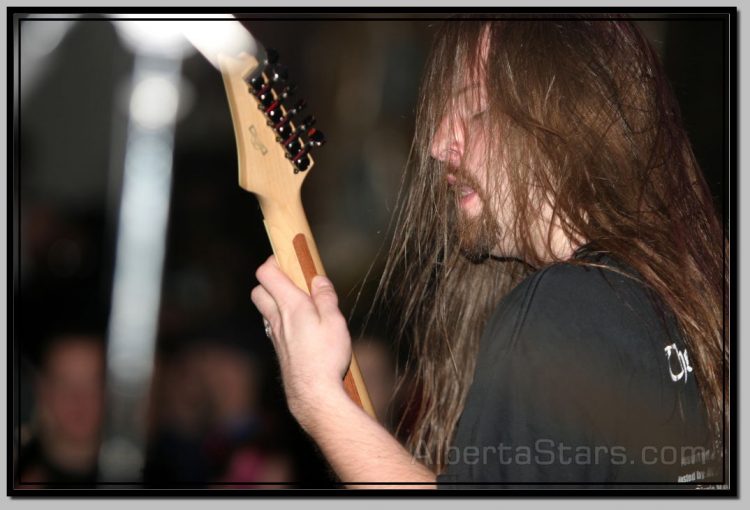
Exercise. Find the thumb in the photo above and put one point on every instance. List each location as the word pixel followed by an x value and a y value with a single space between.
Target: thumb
pixel 324 296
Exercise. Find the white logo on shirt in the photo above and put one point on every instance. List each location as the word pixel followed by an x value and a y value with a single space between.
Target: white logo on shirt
pixel 682 357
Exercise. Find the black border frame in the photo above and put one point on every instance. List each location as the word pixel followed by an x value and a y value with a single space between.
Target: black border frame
pixel 337 13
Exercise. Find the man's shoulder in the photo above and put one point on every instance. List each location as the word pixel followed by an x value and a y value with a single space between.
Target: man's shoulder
pixel 595 309
pixel 585 337
pixel 597 290
pixel 587 282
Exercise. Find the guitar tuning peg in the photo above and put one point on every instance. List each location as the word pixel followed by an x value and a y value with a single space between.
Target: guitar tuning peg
pixel 256 83
pixel 289 90
pixel 274 113
pixel 284 130
pixel 307 123
pixel 293 146
pixel 301 162
pixel 272 56
pixel 265 97
pixel 298 107
pixel 315 138
pixel 277 73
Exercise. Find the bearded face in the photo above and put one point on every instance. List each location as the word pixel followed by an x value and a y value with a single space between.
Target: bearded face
pixel 476 228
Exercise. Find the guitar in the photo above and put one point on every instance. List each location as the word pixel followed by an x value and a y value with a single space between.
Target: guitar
pixel 274 155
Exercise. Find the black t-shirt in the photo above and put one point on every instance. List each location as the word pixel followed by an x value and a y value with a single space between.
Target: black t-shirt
pixel 581 378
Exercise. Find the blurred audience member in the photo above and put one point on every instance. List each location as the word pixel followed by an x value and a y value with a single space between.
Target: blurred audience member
pixel 69 394
pixel 258 467
pixel 180 418
pixel 210 428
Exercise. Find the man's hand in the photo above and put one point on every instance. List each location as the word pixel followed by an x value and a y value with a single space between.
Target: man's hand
pixel 310 336
pixel 314 349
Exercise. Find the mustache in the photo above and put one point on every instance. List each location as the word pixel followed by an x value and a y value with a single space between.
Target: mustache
pixel 463 178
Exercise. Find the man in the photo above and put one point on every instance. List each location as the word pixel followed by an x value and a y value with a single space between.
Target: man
pixel 69 392
pixel 560 268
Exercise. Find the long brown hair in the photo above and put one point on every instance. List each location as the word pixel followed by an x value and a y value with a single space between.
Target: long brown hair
pixel 583 123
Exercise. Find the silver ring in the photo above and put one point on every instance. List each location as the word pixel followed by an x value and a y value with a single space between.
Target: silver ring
pixel 267 327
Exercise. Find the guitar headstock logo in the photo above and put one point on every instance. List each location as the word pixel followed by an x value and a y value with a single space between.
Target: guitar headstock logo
pixel 255 141
pixel 271 89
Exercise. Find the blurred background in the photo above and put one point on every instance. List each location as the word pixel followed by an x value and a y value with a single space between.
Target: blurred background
pixel 164 263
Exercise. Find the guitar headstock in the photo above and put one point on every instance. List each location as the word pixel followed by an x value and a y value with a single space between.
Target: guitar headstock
pixel 274 142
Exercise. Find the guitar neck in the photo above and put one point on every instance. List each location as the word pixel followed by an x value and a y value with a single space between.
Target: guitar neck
pixel 273 156
pixel 292 241
pixel 297 255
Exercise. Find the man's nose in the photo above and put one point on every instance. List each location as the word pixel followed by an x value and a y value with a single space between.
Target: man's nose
pixel 448 142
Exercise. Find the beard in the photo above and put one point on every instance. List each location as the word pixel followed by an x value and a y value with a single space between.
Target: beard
pixel 477 236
